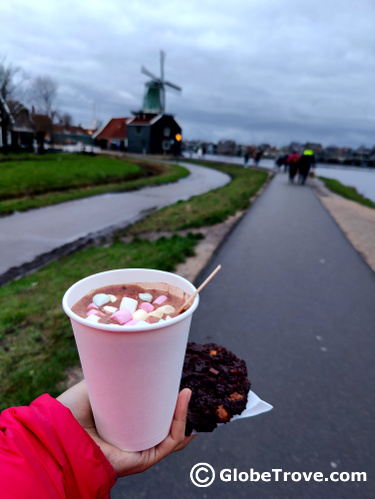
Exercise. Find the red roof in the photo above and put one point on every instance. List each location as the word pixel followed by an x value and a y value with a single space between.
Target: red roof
pixel 116 128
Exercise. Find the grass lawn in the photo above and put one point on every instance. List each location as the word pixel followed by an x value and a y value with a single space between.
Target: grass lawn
pixel 206 209
pixel 36 339
pixel 36 181
pixel 347 192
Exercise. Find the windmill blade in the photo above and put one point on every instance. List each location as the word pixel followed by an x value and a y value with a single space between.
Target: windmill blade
pixel 172 85
pixel 162 59
pixel 149 74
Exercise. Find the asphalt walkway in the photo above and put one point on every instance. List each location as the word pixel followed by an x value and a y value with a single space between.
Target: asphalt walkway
pixel 297 302
pixel 30 238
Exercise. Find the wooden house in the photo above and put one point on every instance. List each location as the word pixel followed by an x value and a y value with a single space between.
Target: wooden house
pixel 113 135
pixel 154 134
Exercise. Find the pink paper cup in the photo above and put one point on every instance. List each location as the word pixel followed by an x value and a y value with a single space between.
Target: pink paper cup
pixel 132 372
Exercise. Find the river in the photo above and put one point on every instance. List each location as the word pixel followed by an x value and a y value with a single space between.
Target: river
pixel 363 179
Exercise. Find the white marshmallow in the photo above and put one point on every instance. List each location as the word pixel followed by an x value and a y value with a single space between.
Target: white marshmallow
pixel 129 303
pixel 93 318
pixel 100 299
pixel 145 296
pixel 109 309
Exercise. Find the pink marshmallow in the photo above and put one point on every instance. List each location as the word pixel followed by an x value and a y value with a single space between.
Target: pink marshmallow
pixel 91 306
pixel 160 300
pixel 147 307
pixel 133 322
pixel 95 312
pixel 122 316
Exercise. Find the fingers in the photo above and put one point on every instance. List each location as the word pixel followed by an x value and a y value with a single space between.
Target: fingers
pixel 77 400
pixel 179 420
pixel 184 443
pixel 176 439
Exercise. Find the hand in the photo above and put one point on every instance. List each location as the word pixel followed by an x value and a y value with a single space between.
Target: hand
pixel 128 463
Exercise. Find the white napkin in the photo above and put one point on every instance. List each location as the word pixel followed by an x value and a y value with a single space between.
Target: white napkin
pixel 253 407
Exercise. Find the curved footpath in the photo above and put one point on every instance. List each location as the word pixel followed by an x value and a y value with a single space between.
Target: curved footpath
pixel 297 302
pixel 30 239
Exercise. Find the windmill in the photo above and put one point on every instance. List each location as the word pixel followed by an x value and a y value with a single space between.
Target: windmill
pixel 154 98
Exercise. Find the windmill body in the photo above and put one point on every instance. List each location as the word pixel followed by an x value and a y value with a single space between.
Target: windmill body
pixel 152 131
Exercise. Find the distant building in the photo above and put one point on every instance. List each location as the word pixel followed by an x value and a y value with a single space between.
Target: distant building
pixel 23 128
pixel 154 134
pixel 114 134
pixel 226 147
pixel 43 128
pixel 69 134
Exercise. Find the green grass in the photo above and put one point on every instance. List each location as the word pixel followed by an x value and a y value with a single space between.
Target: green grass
pixel 36 339
pixel 347 192
pixel 206 209
pixel 33 182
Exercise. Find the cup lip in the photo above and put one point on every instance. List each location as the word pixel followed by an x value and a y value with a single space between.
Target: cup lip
pixel 124 328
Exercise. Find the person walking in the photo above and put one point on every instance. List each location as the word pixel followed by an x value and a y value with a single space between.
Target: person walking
pixel 293 162
pixel 305 163
pixel 281 161
pixel 257 156
pixel 246 160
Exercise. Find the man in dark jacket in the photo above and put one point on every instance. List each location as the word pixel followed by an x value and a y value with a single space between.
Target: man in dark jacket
pixel 305 163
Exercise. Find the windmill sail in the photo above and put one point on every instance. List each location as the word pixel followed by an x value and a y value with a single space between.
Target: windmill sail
pixel 154 98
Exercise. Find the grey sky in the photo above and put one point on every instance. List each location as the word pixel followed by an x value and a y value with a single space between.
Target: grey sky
pixel 251 70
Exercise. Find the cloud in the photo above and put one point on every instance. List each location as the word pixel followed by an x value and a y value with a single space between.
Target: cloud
pixel 252 70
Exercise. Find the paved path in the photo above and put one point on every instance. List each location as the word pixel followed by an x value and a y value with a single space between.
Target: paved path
pixel 26 236
pixel 297 302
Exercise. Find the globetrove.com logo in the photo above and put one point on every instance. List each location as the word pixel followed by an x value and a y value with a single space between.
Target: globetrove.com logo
pixel 203 475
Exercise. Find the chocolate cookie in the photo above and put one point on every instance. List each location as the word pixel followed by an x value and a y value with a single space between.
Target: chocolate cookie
pixel 218 380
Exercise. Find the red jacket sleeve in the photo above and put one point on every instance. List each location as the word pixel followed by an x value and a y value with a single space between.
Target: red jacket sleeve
pixel 45 453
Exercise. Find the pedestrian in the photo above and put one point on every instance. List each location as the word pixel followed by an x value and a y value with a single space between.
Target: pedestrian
pixel 306 162
pixel 292 162
pixel 257 156
pixel 281 161
pixel 52 449
pixel 246 159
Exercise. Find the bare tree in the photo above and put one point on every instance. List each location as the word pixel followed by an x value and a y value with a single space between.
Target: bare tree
pixel 43 95
pixel 66 120
pixel 11 79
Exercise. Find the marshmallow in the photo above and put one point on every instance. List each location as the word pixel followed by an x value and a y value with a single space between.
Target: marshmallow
pixel 100 299
pixel 142 323
pixel 167 309
pixel 93 318
pixel 147 306
pixel 122 316
pixel 133 322
pixel 140 315
pixel 157 313
pixel 113 298
pixel 92 305
pixel 109 309
pixel 95 312
pixel 145 296
pixel 160 300
pixel 129 304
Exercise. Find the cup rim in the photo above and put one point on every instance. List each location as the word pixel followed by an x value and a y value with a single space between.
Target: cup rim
pixel 124 328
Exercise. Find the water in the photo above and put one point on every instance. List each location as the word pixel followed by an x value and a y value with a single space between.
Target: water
pixel 363 179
